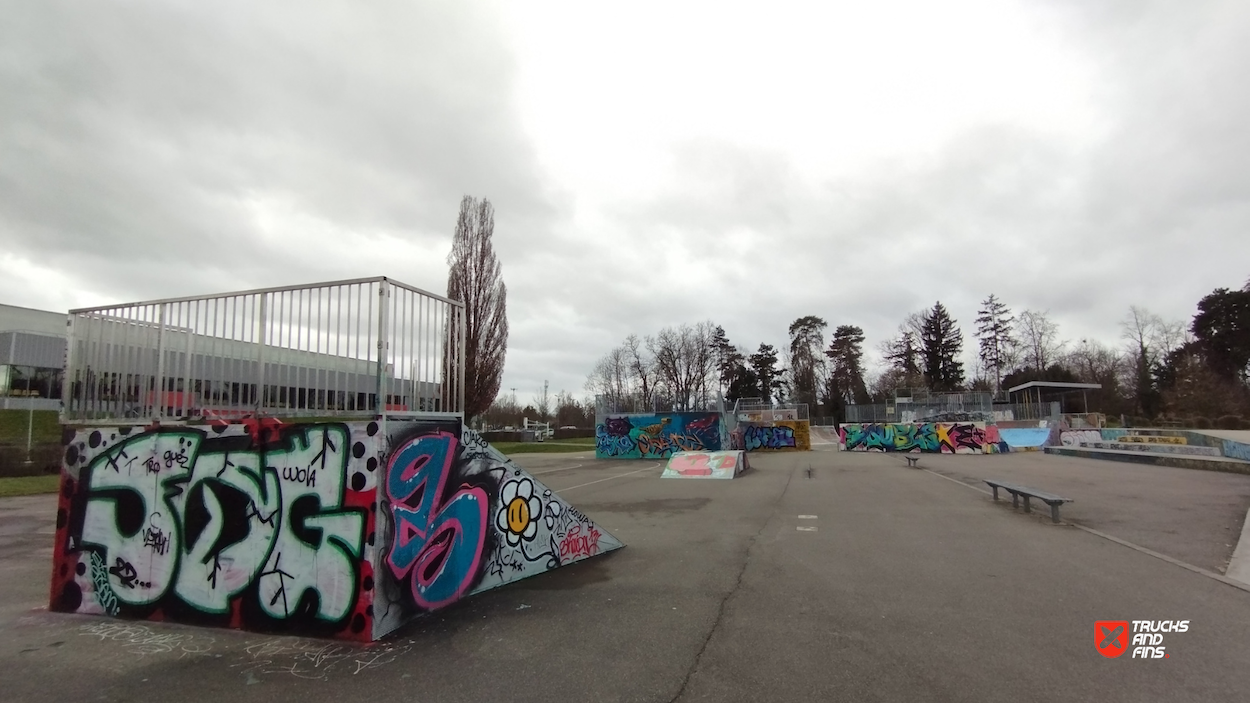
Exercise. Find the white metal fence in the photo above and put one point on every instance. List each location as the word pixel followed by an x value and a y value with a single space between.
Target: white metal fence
pixel 361 347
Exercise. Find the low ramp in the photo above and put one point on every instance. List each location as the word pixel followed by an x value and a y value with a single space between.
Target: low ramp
pixel 706 464
pixel 1021 439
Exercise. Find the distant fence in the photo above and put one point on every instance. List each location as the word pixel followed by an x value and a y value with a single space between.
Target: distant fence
pixel 942 412
pixel 359 347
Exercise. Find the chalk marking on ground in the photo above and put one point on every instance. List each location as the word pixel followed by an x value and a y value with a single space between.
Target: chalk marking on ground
pixel 552 471
pixel 1137 547
pixel 583 485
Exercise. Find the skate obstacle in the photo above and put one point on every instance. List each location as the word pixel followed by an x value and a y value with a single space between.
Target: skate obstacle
pixel 725 464
pixel 339 529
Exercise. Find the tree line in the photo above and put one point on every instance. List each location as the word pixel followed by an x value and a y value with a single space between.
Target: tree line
pixel 1161 369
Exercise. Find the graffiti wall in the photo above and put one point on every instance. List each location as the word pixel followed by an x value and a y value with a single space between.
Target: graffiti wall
pixel 291 528
pixel 1236 450
pixel 1075 438
pixel 777 435
pixel 943 437
pixel 657 436
pixel 727 464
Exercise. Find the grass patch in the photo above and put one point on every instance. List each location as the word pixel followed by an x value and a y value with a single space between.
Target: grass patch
pixel 29 485
pixel 46 427
pixel 549 447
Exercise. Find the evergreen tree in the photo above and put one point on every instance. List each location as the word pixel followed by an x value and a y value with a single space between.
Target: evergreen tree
pixel 1222 329
pixel 806 363
pixel 941 342
pixel 903 353
pixel 764 366
pixel 728 358
pixel 846 371
pixel 994 330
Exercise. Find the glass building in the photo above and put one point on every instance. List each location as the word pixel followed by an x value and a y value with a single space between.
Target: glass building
pixel 32 358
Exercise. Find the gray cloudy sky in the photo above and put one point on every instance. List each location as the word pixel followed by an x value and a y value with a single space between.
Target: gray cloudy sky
pixel 651 163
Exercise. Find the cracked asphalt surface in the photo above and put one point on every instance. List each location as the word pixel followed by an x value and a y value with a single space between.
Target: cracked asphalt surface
pixel 910 587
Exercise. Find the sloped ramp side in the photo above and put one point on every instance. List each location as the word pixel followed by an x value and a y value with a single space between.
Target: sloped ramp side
pixel 727 464
pixel 456 517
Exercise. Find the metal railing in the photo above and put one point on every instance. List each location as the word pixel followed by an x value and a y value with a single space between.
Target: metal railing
pixel 366 346
pixel 756 410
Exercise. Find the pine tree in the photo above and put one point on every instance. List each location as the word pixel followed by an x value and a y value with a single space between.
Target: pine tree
pixel 764 365
pixel 994 330
pixel 941 342
pixel 846 355
pixel 728 358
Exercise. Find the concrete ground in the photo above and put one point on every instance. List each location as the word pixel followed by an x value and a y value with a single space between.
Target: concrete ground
pixel 1194 516
pixel 909 587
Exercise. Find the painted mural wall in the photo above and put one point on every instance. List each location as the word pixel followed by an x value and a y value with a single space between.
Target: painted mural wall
pixel 326 530
pixel 658 435
pixel 776 435
pixel 936 437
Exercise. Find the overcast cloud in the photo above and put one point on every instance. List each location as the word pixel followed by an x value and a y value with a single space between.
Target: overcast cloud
pixel 650 163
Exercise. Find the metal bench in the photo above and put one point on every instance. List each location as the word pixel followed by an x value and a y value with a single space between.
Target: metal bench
pixel 1017 491
pixel 911 460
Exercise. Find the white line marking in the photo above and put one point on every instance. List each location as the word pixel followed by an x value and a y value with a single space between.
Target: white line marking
pixel 807 517
pixel 567 468
pixel 805 529
pixel 583 485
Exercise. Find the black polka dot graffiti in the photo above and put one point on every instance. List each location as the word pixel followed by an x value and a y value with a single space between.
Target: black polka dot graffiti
pixel 195 523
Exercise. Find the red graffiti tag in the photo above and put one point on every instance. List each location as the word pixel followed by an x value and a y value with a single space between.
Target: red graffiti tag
pixel 576 544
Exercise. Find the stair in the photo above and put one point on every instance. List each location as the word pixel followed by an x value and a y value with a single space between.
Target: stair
pixel 1157 458
pixel 1183 449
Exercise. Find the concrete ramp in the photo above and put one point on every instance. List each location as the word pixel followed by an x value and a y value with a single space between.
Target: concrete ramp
pixel 1024 438
pixel 706 465
pixel 339 529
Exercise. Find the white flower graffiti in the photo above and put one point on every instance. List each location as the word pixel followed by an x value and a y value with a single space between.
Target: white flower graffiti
pixel 519 511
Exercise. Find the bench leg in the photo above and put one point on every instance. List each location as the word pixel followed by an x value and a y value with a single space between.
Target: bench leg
pixel 1015 500
pixel 1054 513
pixel 995 489
pixel 1027 509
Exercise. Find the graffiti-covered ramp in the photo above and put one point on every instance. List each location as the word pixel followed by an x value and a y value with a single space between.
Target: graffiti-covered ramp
pixel 706 465
pixel 459 518
pixel 342 529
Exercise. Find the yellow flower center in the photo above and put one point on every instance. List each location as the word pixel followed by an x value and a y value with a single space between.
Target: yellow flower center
pixel 518 515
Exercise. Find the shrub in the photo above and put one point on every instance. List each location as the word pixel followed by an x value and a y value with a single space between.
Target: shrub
pixel 1229 422
pixel 1201 423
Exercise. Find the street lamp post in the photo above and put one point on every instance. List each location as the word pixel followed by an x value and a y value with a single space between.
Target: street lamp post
pixel 30 419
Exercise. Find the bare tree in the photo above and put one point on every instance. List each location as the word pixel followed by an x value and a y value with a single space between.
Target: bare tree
pixel 685 364
pixel 1039 339
pixel 542 403
pixel 475 279
pixel 609 380
pixel 640 368
pixel 1149 338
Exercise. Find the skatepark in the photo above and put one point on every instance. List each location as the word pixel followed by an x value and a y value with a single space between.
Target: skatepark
pixel 815 575
pixel 354 539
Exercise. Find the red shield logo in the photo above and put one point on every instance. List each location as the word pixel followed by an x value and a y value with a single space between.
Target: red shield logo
pixel 1111 637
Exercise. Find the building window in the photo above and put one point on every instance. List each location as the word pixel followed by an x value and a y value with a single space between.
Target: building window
pixel 30 381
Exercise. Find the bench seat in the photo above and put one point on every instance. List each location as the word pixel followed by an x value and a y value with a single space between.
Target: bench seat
pixel 1016 491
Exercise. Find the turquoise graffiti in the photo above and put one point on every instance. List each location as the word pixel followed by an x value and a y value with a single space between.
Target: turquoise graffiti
pixel 656 436
pixel 936 437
